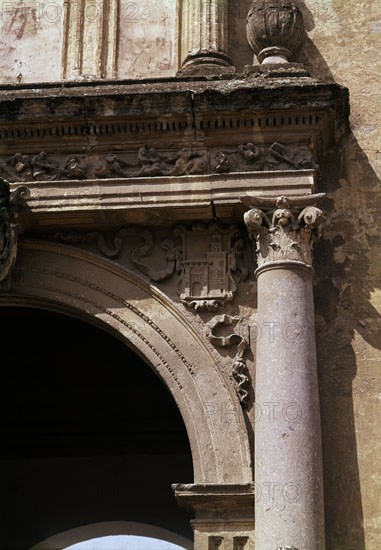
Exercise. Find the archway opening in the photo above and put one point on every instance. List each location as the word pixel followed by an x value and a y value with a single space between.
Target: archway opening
pixel 90 433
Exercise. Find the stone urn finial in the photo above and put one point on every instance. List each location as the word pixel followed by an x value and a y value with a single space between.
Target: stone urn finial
pixel 275 30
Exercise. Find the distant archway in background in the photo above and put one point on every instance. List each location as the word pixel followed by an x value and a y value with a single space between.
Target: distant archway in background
pixel 113 528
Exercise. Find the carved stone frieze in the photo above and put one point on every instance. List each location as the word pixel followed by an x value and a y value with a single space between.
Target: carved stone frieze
pixel 10 206
pixel 240 376
pixel 112 248
pixel 210 255
pixel 250 157
pixel 205 259
pixel 149 162
pixel 284 228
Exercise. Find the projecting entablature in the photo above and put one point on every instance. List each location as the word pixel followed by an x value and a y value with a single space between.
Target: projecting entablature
pixel 168 150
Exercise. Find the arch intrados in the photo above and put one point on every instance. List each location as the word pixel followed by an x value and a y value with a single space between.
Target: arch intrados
pixel 218 437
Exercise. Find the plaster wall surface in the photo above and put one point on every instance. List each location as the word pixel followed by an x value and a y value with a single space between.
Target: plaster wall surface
pixel 142 53
pixel 30 41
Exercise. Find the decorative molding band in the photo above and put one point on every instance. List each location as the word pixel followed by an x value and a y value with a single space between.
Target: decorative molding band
pixel 238 500
pixel 155 201
pixel 177 124
pixel 150 162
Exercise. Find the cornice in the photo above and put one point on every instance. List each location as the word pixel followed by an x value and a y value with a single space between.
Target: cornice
pixel 157 201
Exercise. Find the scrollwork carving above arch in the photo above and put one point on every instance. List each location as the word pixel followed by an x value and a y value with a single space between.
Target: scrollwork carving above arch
pixel 83 284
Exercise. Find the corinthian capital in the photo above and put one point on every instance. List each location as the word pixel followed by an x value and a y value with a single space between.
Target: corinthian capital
pixel 284 228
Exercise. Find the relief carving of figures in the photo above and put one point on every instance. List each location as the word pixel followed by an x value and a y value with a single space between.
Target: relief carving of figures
pixel 280 157
pixel 188 162
pixel 249 153
pixel 43 168
pixel 31 168
pixel 149 162
pixel 111 250
pixel 75 168
pixel 10 205
pixel 18 168
pixel 210 256
pixel 223 162
pixel 284 228
pixel 240 375
pixel 250 157
pixel 112 166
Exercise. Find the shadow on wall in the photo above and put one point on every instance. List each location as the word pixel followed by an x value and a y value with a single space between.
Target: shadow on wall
pixel 346 279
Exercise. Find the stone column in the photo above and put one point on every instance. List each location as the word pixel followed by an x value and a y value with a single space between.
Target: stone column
pixel 204 37
pixel 289 510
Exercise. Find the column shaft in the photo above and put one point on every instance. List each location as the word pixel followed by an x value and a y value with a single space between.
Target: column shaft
pixel 289 511
pixel 288 471
pixel 204 37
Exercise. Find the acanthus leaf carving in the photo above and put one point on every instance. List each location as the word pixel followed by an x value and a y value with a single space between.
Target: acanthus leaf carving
pixel 11 203
pixel 290 235
pixel 240 373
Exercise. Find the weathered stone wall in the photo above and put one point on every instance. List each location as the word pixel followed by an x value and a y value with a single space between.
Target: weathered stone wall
pixel 343 45
pixel 345 41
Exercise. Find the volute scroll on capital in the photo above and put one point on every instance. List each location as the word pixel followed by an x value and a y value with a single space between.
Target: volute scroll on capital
pixel 284 228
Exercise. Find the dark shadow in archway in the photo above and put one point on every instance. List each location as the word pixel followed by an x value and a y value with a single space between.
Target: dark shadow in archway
pixel 89 433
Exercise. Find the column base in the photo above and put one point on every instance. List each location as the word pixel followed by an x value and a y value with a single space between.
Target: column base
pixel 205 63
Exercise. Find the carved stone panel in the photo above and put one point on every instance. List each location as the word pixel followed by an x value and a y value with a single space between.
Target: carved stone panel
pixel 10 204
pixel 210 256
pixel 240 375
pixel 149 161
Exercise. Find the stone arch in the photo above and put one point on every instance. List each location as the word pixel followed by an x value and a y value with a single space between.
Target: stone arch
pixel 67 279
pixel 111 528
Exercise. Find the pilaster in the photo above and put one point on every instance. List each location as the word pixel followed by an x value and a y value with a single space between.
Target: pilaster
pixel 90 39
